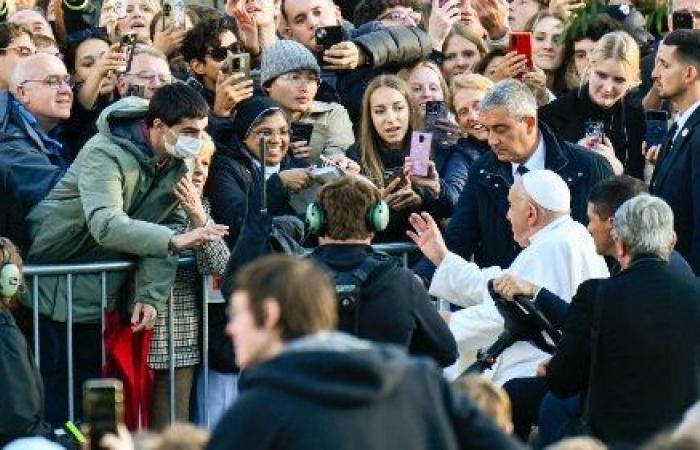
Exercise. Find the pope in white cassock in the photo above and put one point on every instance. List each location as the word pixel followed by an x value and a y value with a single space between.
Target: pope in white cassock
pixel 559 254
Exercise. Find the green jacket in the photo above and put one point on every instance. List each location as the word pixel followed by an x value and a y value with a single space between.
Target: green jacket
pixel 113 203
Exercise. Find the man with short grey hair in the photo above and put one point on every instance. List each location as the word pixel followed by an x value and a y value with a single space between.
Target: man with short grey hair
pixel 648 322
pixel 520 144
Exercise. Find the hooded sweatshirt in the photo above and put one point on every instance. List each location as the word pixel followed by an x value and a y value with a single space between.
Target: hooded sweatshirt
pixel 333 391
pixel 113 203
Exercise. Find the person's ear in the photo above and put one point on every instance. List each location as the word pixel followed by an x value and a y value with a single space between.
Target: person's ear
pixel 271 312
pixel 338 14
pixel 531 123
pixel 674 239
pixel 21 95
pixel 691 74
pixel 197 66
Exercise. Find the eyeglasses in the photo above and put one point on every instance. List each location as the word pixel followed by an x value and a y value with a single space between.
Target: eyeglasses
pixel 299 78
pixel 267 133
pixel 20 50
pixel 220 53
pixel 54 81
pixel 401 16
pixel 150 77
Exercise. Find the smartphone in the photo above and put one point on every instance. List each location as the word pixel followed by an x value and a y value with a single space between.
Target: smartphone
pixel 136 90
pixel 656 127
pixel 174 12
pixel 120 8
pixel 103 407
pixel 237 63
pixel 327 37
pixel 682 20
pixel 126 46
pixel 521 43
pixel 301 131
pixel 421 144
pixel 595 131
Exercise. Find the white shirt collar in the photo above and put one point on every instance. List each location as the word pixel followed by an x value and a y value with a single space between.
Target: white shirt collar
pixel 536 160
pixel 550 226
pixel 683 118
pixel 271 170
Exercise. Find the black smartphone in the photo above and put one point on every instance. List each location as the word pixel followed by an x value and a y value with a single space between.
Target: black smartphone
pixel 103 407
pixel 656 127
pixel 237 63
pixel 434 110
pixel 327 37
pixel 301 131
pixel 682 20
pixel 127 45
pixel 136 90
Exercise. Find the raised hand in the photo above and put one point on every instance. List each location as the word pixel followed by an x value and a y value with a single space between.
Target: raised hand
pixel 427 237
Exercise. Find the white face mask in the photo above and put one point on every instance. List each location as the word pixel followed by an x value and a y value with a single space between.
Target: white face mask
pixel 186 147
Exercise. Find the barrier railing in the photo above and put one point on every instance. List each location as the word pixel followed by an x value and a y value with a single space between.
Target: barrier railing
pixel 35 272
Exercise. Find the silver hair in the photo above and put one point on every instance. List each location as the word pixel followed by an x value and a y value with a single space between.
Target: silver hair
pixel 644 224
pixel 512 95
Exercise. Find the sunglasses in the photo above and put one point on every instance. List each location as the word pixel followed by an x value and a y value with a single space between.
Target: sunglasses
pixel 221 53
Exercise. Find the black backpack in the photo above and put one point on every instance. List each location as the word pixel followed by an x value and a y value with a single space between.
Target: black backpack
pixel 350 287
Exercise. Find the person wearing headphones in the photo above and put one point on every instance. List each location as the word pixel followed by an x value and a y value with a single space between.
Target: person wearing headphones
pixel 377 299
pixel 22 395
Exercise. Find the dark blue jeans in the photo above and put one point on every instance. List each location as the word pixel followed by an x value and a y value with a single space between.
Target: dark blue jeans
pixel 87 361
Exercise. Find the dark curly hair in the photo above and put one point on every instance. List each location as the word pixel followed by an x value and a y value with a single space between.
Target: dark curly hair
pixel 205 35
pixel 369 10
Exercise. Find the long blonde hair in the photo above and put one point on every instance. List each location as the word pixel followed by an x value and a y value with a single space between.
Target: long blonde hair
pixel 370 142
pixel 621 47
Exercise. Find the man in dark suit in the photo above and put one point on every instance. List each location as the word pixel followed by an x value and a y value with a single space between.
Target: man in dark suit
pixel 676 177
pixel 646 367
pixel 519 144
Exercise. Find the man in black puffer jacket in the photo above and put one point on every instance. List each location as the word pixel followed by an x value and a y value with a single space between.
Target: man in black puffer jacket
pixel 364 53
pixel 479 226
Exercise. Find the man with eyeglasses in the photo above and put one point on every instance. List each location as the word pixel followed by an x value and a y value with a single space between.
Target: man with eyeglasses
pixel 15 43
pixel 206 49
pixel 290 75
pixel 149 72
pixel 40 98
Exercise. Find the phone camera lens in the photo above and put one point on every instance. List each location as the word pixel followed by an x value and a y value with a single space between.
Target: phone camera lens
pixel 321 34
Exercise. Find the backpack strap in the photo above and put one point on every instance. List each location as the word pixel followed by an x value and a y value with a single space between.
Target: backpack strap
pixel 378 266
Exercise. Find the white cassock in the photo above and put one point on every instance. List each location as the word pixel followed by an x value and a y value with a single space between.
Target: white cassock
pixel 560 257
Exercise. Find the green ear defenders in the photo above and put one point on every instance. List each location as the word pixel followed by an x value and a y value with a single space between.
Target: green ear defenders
pixel 9 272
pixel 377 217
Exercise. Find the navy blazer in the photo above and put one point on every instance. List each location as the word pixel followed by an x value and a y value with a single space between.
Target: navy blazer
pixel 676 179
pixel 479 225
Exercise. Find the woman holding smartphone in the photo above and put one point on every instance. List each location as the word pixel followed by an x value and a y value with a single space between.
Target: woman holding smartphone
pixel 389 118
pixel 599 115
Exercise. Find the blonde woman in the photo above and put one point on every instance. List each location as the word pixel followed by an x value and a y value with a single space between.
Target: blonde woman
pixel 211 259
pixel 601 105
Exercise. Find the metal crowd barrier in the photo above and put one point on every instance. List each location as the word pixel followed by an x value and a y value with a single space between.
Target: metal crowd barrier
pixel 402 249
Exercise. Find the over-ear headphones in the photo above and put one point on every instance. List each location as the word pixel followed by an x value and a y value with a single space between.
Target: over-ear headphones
pixel 9 272
pixel 377 217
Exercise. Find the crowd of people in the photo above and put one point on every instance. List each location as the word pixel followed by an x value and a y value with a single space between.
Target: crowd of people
pixel 543 149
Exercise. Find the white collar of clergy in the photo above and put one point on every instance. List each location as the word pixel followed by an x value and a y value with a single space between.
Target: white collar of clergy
pixel 549 227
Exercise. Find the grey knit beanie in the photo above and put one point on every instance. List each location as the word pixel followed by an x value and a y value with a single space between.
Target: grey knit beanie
pixel 284 56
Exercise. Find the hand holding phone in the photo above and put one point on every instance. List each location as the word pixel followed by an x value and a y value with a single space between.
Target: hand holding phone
pixel 656 128
pixel 521 43
pixel 595 131
pixel 103 405
pixel 420 152
pixel 327 37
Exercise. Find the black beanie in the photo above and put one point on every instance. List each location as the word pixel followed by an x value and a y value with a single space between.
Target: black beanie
pixel 249 112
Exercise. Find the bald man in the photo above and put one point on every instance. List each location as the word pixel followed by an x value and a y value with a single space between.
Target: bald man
pixel 558 252
pixel 39 99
